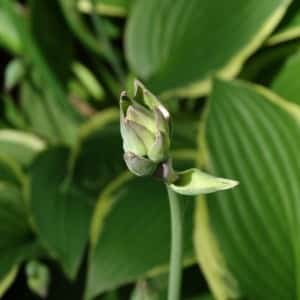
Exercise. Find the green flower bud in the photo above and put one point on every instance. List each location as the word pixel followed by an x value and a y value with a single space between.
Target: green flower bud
pixel 138 165
pixel 145 129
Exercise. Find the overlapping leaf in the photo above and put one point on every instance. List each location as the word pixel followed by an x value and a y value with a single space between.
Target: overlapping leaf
pixel 61 211
pixel 177 46
pixel 17 238
pixel 247 239
pixel 131 234
pixel 289 28
pixel 286 83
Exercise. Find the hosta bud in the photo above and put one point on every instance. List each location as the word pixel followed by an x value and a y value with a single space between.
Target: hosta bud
pixel 145 129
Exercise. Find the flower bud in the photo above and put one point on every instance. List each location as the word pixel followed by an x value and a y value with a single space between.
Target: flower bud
pixel 145 129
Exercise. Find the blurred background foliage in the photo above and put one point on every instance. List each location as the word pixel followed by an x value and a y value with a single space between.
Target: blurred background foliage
pixel 73 222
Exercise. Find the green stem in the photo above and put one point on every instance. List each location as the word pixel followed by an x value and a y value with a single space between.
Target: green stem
pixel 175 273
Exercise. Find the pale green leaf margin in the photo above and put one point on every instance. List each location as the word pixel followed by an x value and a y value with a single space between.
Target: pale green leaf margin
pixel 208 251
pixel 6 282
pixel 222 283
pixel 233 67
pixel 284 36
pixel 102 8
pixel 18 137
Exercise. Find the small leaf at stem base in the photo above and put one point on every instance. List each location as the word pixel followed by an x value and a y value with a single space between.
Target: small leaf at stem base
pixel 194 182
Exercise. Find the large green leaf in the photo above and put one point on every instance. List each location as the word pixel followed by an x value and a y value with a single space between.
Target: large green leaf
pixel 130 235
pixel 177 46
pixel 286 82
pixel 61 211
pixel 247 238
pixel 289 28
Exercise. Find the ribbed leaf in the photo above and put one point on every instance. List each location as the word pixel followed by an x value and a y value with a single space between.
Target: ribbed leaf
pixel 176 46
pixel 131 233
pixel 250 234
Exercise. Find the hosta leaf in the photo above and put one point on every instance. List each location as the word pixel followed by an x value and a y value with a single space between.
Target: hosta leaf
pixel 247 238
pixel 14 73
pixel 88 80
pixel 59 59
pixel 98 157
pixel 61 211
pixel 194 182
pixel 10 171
pixel 107 7
pixel 289 28
pixel 131 234
pixel 12 113
pixel 286 83
pixel 20 146
pixel 17 239
pixel 35 108
pixel 62 112
pixel 7 280
pixel 9 35
pixel 177 46
pixel 79 27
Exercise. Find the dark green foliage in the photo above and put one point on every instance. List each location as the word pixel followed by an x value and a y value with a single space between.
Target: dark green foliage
pixel 67 203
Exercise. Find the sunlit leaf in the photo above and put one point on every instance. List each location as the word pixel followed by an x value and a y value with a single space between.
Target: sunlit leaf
pixel 244 235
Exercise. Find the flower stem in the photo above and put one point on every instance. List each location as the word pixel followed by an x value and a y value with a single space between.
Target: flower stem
pixel 175 273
